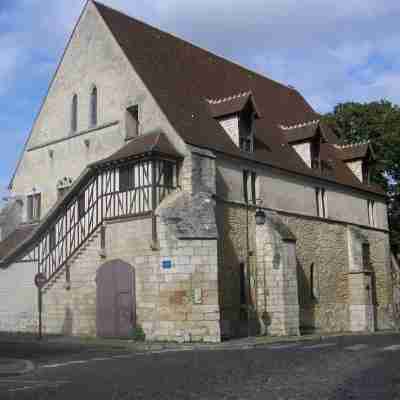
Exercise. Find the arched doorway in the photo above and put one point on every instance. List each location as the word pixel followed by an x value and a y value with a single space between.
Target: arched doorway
pixel 115 311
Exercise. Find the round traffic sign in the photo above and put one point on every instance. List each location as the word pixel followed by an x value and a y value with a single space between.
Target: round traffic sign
pixel 40 279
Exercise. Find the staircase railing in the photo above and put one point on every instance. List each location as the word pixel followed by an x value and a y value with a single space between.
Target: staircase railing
pixel 104 194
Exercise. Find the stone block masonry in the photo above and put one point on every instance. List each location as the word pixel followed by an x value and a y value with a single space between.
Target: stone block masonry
pixel 178 303
pixel 327 292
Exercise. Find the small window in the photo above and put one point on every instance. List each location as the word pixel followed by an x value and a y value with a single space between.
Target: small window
pixel 93 107
pixel 126 178
pixel 132 122
pixel 246 144
pixel 366 256
pixel 365 173
pixel 81 205
pixel 34 207
pixel 249 193
pixel 74 114
pixel 315 153
pixel 371 212
pixel 246 130
pixel 168 174
pixel 320 195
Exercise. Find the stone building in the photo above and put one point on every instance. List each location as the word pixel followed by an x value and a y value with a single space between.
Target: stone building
pixel 167 190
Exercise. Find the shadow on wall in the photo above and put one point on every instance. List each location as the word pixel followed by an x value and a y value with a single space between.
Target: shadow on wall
pixel 237 308
pixel 307 299
pixel 68 322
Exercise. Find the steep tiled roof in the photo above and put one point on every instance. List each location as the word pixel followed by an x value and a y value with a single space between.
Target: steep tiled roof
pixel 155 142
pixel 14 239
pixel 182 76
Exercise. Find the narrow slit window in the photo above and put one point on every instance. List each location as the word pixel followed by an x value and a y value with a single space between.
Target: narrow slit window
pixel 93 107
pixel 132 122
pixel 34 207
pixel 253 187
pixel 371 212
pixel 320 198
pixel 74 114
pixel 245 186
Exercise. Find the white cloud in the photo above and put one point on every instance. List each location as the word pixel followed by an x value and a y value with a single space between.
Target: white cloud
pixel 324 48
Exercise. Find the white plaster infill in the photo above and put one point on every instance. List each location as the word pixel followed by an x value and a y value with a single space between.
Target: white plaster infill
pixel 81 133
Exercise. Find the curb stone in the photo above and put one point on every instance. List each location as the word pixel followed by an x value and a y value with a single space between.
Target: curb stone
pixel 15 367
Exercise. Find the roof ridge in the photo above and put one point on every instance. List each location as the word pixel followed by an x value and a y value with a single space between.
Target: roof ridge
pixel 299 125
pixel 346 146
pixel 229 98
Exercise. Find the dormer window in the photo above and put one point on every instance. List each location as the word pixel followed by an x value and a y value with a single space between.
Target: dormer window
pixel 359 157
pixel 246 130
pixel 237 115
pixel 306 139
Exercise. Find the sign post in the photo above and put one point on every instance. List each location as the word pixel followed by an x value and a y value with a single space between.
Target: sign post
pixel 40 280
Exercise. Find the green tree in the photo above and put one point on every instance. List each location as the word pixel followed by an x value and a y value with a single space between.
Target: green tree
pixel 379 122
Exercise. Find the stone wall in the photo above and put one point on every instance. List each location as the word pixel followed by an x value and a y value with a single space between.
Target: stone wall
pixel 18 306
pixel 178 303
pixel 322 246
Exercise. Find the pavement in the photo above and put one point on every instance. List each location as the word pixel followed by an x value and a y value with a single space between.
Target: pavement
pixel 61 347
pixel 356 367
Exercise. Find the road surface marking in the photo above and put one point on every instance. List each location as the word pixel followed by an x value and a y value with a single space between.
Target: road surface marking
pixel 356 347
pixel 23 388
pixel 319 346
pixel 123 356
pixel 395 347
pixel 30 385
pixel 283 346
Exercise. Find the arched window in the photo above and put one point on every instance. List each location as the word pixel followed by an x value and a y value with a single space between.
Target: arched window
pixel 74 114
pixel 93 107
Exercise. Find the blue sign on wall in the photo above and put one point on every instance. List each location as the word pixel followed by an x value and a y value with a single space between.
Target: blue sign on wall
pixel 167 264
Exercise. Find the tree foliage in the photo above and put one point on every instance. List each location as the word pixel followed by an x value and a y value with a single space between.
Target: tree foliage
pixel 379 122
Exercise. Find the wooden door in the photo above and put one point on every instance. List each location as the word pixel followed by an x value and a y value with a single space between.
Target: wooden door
pixel 115 311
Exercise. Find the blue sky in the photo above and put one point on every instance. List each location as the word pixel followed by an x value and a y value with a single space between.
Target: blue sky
pixel 331 51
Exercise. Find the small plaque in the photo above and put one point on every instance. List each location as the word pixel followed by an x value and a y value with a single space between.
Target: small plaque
pixel 166 264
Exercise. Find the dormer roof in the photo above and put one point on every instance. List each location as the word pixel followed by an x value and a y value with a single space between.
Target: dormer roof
pixel 234 104
pixel 355 151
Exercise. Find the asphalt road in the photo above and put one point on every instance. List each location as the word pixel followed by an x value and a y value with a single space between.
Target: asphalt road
pixel 359 367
